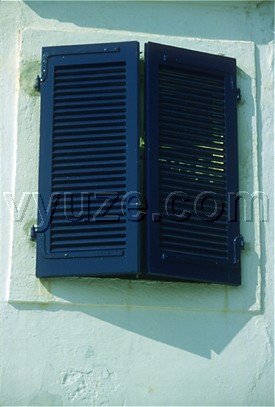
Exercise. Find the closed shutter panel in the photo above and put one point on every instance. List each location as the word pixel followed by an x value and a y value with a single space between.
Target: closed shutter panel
pixel 88 160
pixel 191 165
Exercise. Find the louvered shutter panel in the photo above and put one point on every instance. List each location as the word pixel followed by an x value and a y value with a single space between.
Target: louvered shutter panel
pixel 88 160
pixel 191 166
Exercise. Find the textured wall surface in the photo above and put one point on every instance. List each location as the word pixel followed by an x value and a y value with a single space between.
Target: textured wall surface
pixel 112 342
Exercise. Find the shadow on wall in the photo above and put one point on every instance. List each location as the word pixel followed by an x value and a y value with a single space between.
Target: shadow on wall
pixel 194 332
pixel 174 19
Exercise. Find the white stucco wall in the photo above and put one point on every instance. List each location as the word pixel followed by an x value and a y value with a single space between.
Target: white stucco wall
pixel 113 342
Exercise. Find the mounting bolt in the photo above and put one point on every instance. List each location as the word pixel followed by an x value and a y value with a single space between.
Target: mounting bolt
pixel 238 93
pixel 242 242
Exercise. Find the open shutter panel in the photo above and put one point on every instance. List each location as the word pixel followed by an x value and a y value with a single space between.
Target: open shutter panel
pixel 88 160
pixel 191 165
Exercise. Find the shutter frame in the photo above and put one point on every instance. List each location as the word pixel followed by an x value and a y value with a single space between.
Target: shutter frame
pixel 163 263
pixel 104 262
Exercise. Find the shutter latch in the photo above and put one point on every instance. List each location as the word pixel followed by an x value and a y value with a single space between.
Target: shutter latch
pixel 239 245
pixel 37 84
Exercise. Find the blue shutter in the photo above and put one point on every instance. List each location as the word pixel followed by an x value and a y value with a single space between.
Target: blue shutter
pixel 88 160
pixel 191 166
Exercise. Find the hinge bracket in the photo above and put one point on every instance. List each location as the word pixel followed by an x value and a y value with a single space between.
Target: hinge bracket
pixel 37 84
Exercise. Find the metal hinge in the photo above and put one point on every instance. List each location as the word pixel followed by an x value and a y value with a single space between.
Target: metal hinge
pixel 239 245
